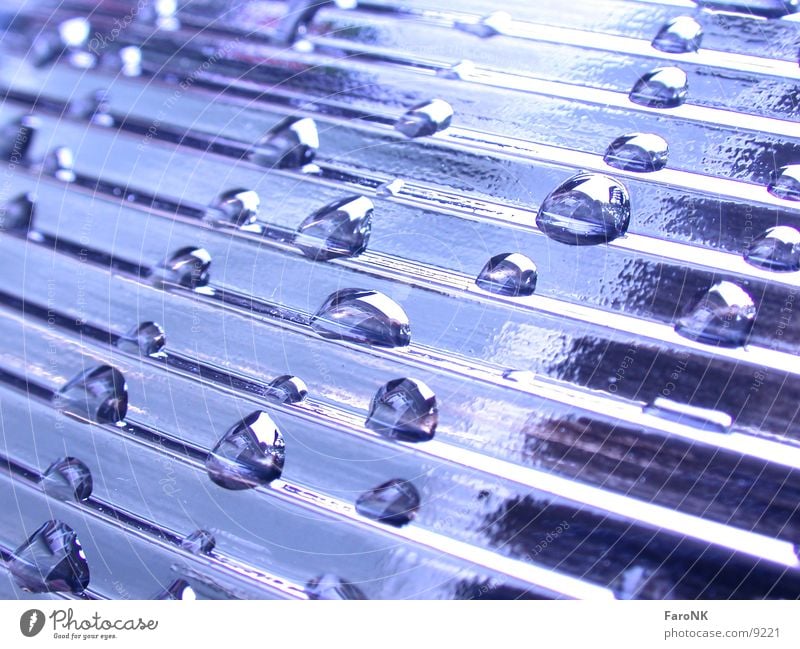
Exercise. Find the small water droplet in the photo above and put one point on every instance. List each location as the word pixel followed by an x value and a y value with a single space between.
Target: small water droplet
pixel 509 274
pixel 237 207
pixel 490 25
pixel 661 88
pixel 722 316
pixel 199 542
pixel 95 107
pixel 288 389
pixel 519 376
pixel 178 589
pixel 250 454
pixel 404 409
pixel 68 479
pixel 59 163
pixel 292 144
pixel 188 267
pixel 394 502
pixel 362 316
pixel 587 209
pixel 147 339
pixel 680 35
pixel 639 152
pixel 703 418
pixel 17 138
pixel 425 119
pixel 340 229
pixel 457 71
pixel 98 394
pixel 75 32
pixel 785 183
pixel 778 249
pixel 51 561
pixel 390 187
pixel 17 215
pixel 331 587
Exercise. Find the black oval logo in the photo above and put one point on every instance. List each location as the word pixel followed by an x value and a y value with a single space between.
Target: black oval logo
pixel 31 622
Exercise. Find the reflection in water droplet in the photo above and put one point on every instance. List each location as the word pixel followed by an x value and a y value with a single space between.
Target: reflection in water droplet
pixel 17 138
pixel 425 119
pixel 130 58
pixel 680 35
pixel 288 389
pixel 17 215
pixel 362 316
pixel 59 163
pixel 490 25
pixel 777 249
pixel 178 589
pixel 395 502
pixel 404 409
pixel 188 267
pixel 723 316
pixel 98 394
pixel 509 274
pixel 199 542
pixel 340 229
pixel 68 479
pixel 587 209
pixel 51 560
pixel 661 88
pixel 331 587
pixel 250 454
pixel 639 152
pixel 74 32
pixel 785 183
pixel 290 145
pixel 147 339
pixel 237 207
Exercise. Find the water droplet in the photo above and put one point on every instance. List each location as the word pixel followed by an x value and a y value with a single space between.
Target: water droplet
pixel 702 418
pixel 680 35
pixel 147 339
pixel 510 274
pixel 457 71
pixel 722 316
pixel 390 187
pixel 777 249
pixel 95 108
pixel 290 145
pixel 59 163
pixel 75 32
pixel 639 152
pixel 17 138
pixel 362 316
pixel 587 209
pixel 394 502
pixel 331 587
pixel 237 207
pixel 178 589
pixel 340 229
pixel 661 88
pixel 17 215
pixel 68 479
pixel 250 454
pixel 98 394
pixel 288 389
pixel 404 409
pixel 199 542
pixel 188 267
pixel 425 119
pixel 51 561
pixel 785 183
pixel 490 25
pixel 131 61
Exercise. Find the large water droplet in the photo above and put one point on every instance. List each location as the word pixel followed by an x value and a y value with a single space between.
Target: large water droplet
pixel 490 25
pixel 510 274
pixel 288 389
pixel 51 561
pixel 587 209
pixel 17 138
pixel 661 88
pixel 362 316
pixel 147 339
pixel 340 229
pixel 290 145
pixel 425 119
pixel 188 267
pixel 237 207
pixel 404 409
pixel 17 215
pixel 331 587
pixel 98 394
pixel 639 152
pixel 785 183
pixel 59 163
pixel 777 249
pixel 680 35
pixel 722 316
pixel 68 479
pixel 250 454
pixel 199 542
pixel 764 8
pixel 178 589
pixel 394 502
